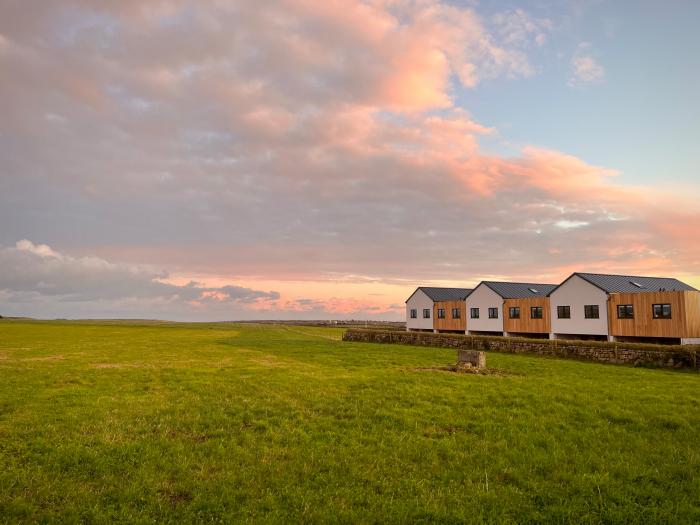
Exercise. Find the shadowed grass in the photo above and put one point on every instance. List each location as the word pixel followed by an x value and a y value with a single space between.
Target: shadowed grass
pixel 136 422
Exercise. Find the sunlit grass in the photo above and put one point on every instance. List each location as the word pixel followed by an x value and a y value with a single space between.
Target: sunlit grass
pixel 139 422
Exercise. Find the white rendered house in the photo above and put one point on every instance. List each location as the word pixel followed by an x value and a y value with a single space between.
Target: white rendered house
pixel 419 311
pixel 578 308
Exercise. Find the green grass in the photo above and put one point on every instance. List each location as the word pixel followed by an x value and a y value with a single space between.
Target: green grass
pixel 137 422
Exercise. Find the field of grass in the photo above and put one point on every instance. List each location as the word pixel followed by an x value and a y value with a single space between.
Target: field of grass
pixel 135 423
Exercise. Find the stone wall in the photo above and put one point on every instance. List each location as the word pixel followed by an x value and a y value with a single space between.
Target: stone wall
pixel 665 356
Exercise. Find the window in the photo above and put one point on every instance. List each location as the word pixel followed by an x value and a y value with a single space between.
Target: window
pixel 475 313
pixel 441 313
pixel 661 311
pixel 591 311
pixel 426 313
pixel 493 313
pixel 456 313
pixel 536 312
pixel 625 311
pixel 534 290
pixel 414 313
pixel 637 284
pixel 514 312
pixel 564 312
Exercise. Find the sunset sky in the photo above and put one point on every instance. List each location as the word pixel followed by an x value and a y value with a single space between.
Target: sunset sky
pixel 306 159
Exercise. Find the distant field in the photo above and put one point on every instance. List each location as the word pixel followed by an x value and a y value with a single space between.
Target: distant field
pixel 138 422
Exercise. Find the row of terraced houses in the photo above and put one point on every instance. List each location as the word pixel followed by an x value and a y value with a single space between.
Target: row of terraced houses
pixel 584 306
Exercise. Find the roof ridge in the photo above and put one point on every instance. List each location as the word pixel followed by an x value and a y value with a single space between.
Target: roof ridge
pixel 605 281
pixel 517 290
pixel 445 287
pixel 442 288
pixel 517 282
pixel 443 293
pixel 627 275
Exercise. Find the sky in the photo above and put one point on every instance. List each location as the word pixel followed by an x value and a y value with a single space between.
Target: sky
pixel 314 159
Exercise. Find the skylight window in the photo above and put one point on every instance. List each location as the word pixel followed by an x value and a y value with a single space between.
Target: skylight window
pixel 637 284
pixel 534 290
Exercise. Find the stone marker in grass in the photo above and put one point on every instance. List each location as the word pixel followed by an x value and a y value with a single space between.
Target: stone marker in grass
pixel 471 359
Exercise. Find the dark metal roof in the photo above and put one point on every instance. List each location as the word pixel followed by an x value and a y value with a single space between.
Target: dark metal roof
pixel 519 290
pixel 633 283
pixel 444 294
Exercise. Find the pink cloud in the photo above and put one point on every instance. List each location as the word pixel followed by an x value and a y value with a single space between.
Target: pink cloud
pixel 309 141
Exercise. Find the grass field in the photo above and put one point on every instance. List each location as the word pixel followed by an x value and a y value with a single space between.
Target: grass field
pixel 110 422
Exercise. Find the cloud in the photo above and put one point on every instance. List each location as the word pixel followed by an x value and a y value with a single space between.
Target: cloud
pixel 519 28
pixel 307 142
pixel 40 281
pixel 585 69
pixel 32 271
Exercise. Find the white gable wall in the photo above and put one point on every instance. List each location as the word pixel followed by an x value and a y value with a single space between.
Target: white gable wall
pixel 419 301
pixel 576 293
pixel 484 298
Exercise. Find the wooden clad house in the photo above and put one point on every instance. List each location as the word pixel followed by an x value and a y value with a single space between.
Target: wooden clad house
pixel 660 314
pixel 450 316
pixel 526 309
pixel 584 306
pixel 509 308
pixel 616 307
pixel 527 316
pixel 436 309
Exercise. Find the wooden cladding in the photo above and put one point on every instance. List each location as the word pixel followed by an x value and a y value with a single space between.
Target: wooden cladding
pixel 684 313
pixel 692 314
pixel 449 322
pixel 677 315
pixel 525 324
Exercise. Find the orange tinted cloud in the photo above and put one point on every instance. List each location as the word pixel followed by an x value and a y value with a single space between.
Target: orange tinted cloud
pixel 310 151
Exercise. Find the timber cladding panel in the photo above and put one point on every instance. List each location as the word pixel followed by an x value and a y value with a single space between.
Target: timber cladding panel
pixel 448 323
pixel 526 324
pixel 684 321
pixel 692 314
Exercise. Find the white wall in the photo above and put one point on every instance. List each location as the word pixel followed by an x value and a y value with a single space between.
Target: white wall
pixel 484 298
pixel 419 301
pixel 577 292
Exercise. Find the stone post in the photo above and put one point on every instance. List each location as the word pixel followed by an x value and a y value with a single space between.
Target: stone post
pixel 471 358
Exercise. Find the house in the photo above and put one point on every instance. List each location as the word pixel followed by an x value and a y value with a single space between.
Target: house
pixel 450 314
pixel 662 316
pixel 506 308
pixel 625 307
pixel 526 311
pixel 436 309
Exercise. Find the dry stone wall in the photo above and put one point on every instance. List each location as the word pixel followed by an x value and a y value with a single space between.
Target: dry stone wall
pixel 664 356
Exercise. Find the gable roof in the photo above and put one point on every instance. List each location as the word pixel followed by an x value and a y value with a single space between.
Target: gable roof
pixel 443 294
pixel 519 290
pixel 630 283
